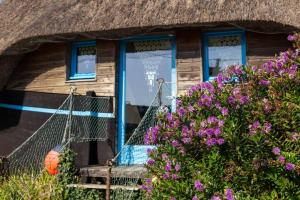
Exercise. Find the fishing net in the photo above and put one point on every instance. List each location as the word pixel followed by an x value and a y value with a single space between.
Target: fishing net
pixel 133 155
pixel 78 119
pixel 83 118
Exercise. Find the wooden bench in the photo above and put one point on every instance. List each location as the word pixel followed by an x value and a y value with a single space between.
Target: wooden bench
pixel 108 172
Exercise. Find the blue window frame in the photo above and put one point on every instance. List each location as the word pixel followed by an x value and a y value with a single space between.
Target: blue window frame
pixel 222 49
pixel 83 60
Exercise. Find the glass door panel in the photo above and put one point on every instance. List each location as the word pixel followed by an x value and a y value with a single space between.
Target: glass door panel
pixel 145 62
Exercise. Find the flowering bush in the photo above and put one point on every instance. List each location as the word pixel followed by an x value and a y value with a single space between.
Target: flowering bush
pixel 236 137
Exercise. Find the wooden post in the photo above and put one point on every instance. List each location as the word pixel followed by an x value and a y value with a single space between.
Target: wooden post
pixel 109 164
pixel 4 165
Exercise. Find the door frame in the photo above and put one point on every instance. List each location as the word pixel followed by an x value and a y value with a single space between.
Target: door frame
pixel 122 92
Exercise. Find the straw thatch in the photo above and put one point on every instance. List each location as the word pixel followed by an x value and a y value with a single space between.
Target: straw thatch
pixel 24 21
pixel 25 24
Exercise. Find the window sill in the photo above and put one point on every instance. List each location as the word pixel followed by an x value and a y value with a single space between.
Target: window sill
pixel 81 80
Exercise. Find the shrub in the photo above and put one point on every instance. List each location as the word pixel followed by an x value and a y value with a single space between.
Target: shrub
pixel 29 186
pixel 236 137
pixel 68 175
pixel 44 186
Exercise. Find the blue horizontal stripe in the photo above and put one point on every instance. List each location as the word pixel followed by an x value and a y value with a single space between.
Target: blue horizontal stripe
pixel 52 111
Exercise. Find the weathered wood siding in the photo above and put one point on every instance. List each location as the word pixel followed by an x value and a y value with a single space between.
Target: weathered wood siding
pixel 45 70
pixel 188 59
pixel 262 47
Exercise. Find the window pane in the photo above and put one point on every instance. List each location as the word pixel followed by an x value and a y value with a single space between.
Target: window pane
pixel 146 61
pixel 223 51
pixel 86 60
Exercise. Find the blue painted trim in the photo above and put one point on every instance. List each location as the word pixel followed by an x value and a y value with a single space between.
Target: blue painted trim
pixel 82 76
pixel 122 83
pixel 73 68
pixel 121 104
pixel 129 157
pixel 216 34
pixel 61 112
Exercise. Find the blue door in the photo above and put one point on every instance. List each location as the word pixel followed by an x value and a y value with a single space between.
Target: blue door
pixel 142 62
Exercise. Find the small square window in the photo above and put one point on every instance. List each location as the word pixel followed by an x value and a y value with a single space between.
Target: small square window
pixel 83 60
pixel 223 49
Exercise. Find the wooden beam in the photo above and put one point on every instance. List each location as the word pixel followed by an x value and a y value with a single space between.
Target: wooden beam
pixel 103 187
pixel 133 171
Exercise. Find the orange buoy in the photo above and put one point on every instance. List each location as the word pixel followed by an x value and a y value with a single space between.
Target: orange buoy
pixel 52 161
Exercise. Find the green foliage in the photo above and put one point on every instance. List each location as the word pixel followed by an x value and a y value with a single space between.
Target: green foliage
pixel 68 175
pixel 237 137
pixel 29 186
pixel 125 194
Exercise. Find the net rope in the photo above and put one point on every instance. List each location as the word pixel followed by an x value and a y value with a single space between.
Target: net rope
pixel 76 120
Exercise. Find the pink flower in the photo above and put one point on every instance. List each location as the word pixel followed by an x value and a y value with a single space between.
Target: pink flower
pixel 211 142
pixel 229 194
pixel 295 137
pixel 175 143
pixel 291 38
pixel 198 185
pixel 150 162
pixel 220 141
pixel 195 198
pixel 231 100
pixel 168 166
pixel 164 156
pixel 217 131
pixel 215 197
pixel 177 167
pixel 224 111
pixel 236 91
pixel 264 82
pixel 175 176
pixel 186 140
pixel 267 127
pixel 276 151
pixel 254 68
pixel 243 100
pixel 289 166
pixel 221 123
pixel 281 159
pixel 181 112
pixel 166 176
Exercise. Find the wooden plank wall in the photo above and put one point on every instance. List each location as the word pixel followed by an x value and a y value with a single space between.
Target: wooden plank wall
pixel 188 60
pixel 45 70
pixel 262 47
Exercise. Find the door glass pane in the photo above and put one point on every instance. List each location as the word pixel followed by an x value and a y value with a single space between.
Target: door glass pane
pixel 146 61
pixel 86 58
pixel 223 51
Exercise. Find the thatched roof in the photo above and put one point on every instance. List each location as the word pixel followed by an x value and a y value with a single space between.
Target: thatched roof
pixel 24 21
